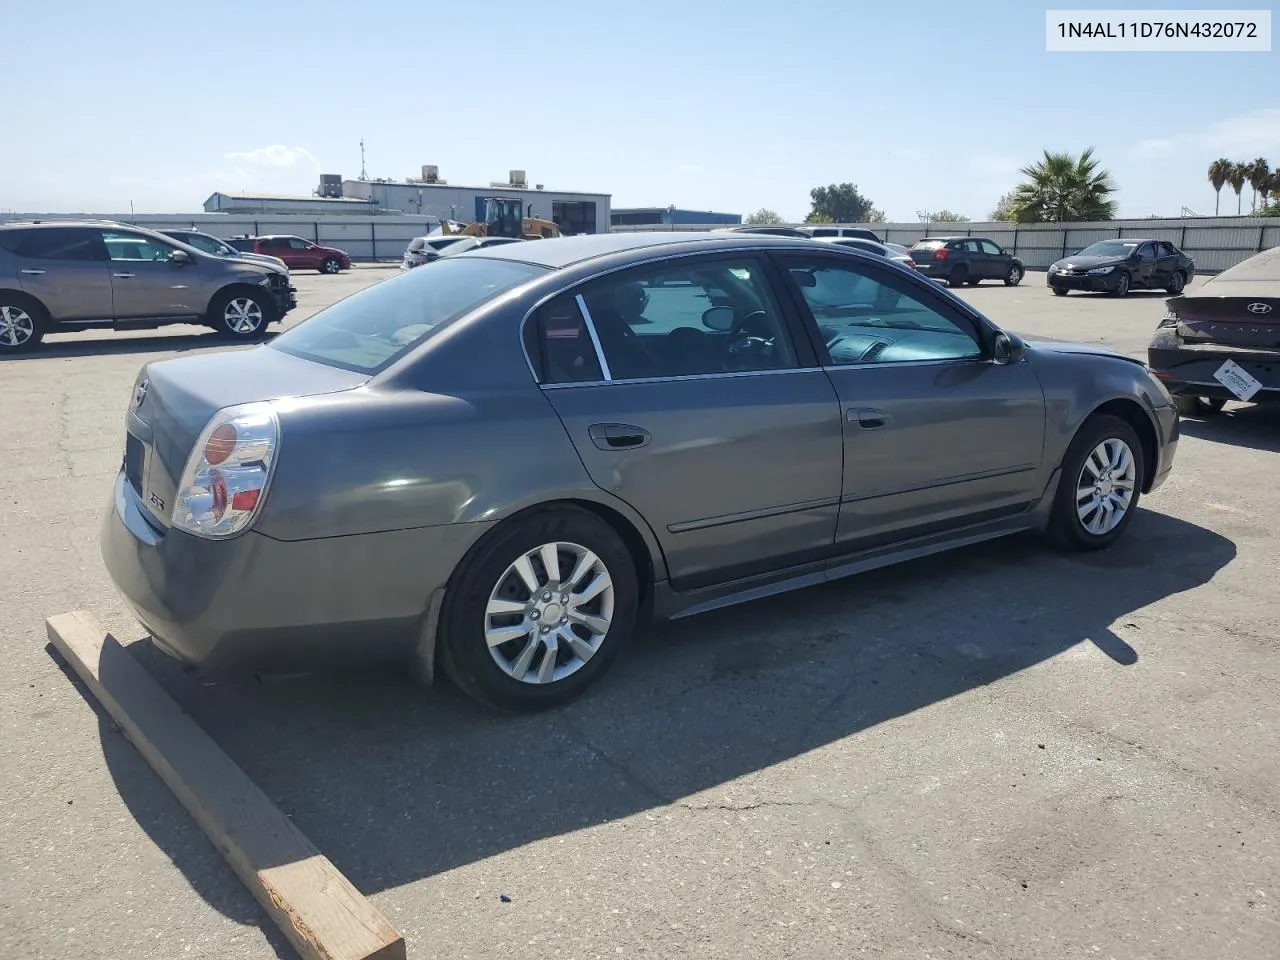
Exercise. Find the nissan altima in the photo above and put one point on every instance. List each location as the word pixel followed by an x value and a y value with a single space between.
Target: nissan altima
pixel 497 467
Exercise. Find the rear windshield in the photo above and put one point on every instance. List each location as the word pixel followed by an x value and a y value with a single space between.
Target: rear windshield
pixel 416 244
pixel 929 244
pixel 370 330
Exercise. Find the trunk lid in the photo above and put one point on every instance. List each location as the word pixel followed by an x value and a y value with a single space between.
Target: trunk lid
pixel 925 251
pixel 1249 323
pixel 178 397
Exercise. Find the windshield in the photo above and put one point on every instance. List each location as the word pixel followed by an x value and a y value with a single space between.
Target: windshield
pixel 1109 248
pixel 370 330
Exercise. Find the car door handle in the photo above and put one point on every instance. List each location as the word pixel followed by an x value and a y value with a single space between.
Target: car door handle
pixel 869 419
pixel 122 275
pixel 34 273
pixel 618 436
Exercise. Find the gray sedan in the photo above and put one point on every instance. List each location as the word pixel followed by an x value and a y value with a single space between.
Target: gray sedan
pixel 498 466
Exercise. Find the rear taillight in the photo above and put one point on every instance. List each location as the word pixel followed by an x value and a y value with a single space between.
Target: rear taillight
pixel 941 254
pixel 226 476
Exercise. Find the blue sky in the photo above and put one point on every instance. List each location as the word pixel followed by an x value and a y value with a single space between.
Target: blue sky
pixel 706 104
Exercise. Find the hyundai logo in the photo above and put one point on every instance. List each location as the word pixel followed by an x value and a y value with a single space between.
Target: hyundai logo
pixel 141 393
pixel 1259 307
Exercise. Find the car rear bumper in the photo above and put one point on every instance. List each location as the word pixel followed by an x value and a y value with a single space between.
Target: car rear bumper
pixel 255 603
pixel 1189 373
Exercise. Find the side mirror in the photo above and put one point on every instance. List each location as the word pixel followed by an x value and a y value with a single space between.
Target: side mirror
pixel 180 257
pixel 1007 348
pixel 719 319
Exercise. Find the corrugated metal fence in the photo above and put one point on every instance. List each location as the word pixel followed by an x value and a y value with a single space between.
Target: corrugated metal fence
pixel 1215 243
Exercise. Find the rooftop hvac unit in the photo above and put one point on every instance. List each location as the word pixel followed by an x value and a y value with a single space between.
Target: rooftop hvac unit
pixel 518 179
pixel 331 185
pixel 430 173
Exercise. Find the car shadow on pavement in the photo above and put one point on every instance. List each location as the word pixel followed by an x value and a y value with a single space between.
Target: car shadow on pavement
pixel 108 345
pixel 396 784
pixel 1257 427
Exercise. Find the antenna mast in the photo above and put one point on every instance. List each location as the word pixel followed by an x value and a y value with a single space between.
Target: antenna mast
pixel 363 173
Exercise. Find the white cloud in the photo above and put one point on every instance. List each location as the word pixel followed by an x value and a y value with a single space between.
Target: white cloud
pixel 1242 137
pixel 275 157
pixel 688 168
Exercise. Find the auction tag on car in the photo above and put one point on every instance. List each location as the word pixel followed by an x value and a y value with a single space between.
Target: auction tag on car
pixel 1238 380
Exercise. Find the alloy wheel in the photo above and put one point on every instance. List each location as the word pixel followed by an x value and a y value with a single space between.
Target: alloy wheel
pixel 1105 487
pixel 549 613
pixel 242 315
pixel 16 326
pixel 1015 275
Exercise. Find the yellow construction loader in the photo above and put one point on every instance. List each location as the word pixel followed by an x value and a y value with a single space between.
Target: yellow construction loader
pixel 503 217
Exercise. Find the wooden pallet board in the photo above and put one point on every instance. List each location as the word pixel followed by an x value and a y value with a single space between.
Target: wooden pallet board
pixel 324 916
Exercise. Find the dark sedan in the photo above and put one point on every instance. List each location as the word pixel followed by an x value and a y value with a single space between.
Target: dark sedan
pixel 1221 341
pixel 1118 266
pixel 962 261
pixel 499 464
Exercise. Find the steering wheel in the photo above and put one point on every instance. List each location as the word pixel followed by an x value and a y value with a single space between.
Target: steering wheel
pixel 750 342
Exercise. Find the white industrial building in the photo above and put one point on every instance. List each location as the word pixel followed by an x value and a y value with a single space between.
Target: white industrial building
pixel 574 212
pixel 267 203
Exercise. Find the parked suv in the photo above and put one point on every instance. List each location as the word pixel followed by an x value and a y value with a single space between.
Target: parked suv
pixel 297 253
pixel 966 260
pixel 64 276
pixel 220 248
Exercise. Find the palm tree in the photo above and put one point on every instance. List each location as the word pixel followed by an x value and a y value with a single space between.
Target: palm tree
pixel 1218 173
pixel 1236 176
pixel 1061 187
pixel 1259 173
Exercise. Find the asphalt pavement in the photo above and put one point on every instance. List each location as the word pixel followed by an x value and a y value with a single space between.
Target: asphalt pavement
pixel 1001 752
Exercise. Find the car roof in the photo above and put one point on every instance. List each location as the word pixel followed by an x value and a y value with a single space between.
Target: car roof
pixel 1261 268
pixel 562 252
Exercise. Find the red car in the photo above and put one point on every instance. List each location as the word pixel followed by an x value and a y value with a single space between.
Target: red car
pixel 297 253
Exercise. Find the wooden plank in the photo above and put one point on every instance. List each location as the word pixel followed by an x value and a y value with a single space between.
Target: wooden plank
pixel 322 914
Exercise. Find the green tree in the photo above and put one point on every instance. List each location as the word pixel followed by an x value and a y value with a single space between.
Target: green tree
pixel 1259 174
pixel 877 216
pixel 1219 173
pixel 1237 174
pixel 1270 189
pixel 1060 187
pixel 839 203
pixel 946 216
pixel 1004 208
pixel 763 215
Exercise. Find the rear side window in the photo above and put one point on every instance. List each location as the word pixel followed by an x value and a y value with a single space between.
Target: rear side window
pixel 370 330
pixel 559 345
pixel 70 243
pixel 825 232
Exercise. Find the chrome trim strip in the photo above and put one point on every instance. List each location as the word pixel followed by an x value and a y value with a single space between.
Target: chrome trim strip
pixel 595 339
pixel 682 377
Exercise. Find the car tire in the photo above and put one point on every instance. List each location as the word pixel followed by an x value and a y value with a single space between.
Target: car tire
pixel 1176 284
pixel 1058 291
pixel 241 314
pixel 331 265
pixel 958 277
pixel 23 322
pixel 1123 283
pixel 1014 276
pixel 1073 526
pixel 490 595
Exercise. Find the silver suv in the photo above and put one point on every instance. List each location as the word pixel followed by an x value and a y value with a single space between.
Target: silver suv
pixel 64 276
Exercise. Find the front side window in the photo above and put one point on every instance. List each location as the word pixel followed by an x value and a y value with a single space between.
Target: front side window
pixel 370 330
pixel 134 247
pixel 207 244
pixel 1147 252
pixel 989 248
pixel 864 318
pixel 692 318
pixel 299 244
